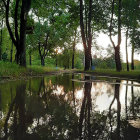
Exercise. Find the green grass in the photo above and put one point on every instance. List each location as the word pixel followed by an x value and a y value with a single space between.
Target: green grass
pixel 13 70
pixel 8 69
pixel 131 74
pixel 41 70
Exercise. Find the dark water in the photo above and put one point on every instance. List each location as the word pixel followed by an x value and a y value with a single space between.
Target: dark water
pixel 70 107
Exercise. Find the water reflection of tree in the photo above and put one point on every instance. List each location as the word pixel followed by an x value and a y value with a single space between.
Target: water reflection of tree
pixel 17 112
pixel 92 123
pixel 37 113
pixel 123 129
pixel 85 113
pixel 52 116
pixel 116 135
pixel 60 117
pixel 96 125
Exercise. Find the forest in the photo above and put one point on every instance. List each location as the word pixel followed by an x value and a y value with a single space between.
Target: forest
pixel 69 69
pixel 49 33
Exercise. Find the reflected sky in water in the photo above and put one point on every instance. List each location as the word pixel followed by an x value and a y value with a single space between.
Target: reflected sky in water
pixel 70 106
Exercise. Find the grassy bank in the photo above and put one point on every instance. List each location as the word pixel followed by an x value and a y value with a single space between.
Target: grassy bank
pixel 8 70
pixel 12 71
pixel 114 73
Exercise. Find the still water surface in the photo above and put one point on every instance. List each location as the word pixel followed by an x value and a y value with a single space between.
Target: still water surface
pixel 70 107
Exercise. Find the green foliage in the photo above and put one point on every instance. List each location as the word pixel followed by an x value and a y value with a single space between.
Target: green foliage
pixel 105 63
pixel 59 20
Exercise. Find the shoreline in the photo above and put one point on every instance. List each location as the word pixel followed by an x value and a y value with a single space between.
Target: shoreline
pixel 124 75
pixel 132 75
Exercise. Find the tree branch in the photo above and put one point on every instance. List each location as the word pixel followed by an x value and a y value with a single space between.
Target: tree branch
pixel 4 3
pixel 110 28
pixel 82 25
pixel 7 23
pixel 119 23
pixel 16 21
pixel 89 24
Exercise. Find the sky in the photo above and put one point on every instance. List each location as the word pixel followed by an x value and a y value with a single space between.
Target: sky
pixel 103 40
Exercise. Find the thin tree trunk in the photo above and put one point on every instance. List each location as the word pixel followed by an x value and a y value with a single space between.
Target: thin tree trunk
pixel 1 46
pixel 117 59
pixel 30 58
pixel 73 58
pixel 56 61
pixel 11 53
pixel 91 61
pixel 117 47
pixel 132 57
pixel 87 59
pixel 1 41
pixel 133 48
pixel 42 61
pixel 127 51
pixel 73 55
pixel 68 61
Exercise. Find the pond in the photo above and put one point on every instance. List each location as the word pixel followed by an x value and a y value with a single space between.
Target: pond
pixel 70 107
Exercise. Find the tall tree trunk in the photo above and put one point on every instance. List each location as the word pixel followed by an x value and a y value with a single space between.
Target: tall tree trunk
pixel 0 104
pixel 1 45
pixel 132 57
pixel 17 55
pixel 73 55
pixel 117 59
pixel 56 61
pixel 68 61
pixel 127 51
pixel 116 47
pixel 1 41
pixel 23 20
pixel 86 34
pixel 30 58
pixel 11 53
pixel 87 59
pixel 91 61
pixel 42 61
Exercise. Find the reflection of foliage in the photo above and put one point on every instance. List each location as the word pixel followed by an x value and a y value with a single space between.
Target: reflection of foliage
pixel 56 119
pixel 51 115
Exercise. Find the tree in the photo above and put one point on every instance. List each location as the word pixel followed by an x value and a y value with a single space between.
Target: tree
pixel 19 35
pixel 130 20
pixel 86 31
pixel 73 47
pixel 1 36
pixel 134 18
pixel 1 27
pixel 116 47
pixel 55 25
